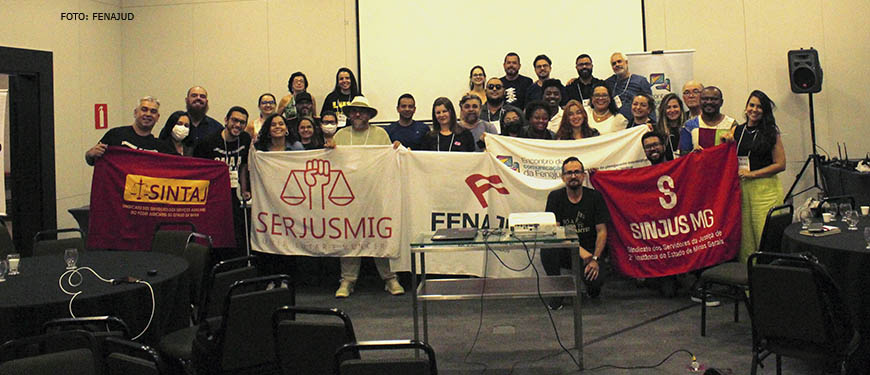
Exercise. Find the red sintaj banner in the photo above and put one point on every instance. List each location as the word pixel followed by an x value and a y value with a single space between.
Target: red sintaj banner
pixel 674 217
pixel 132 191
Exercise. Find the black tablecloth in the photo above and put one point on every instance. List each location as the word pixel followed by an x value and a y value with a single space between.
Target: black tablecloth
pixel 34 297
pixel 840 181
pixel 848 262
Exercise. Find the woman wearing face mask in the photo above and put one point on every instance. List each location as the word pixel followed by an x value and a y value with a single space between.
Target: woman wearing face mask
pixel 512 123
pixel 538 117
pixel 575 124
pixel 266 103
pixel 274 136
pixel 604 115
pixel 176 131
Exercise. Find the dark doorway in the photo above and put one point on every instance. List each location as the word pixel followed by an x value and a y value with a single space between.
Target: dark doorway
pixel 31 137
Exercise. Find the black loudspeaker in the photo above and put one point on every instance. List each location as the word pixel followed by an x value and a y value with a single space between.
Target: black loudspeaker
pixel 804 71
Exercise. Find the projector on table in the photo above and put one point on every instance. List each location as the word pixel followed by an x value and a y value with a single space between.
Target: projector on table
pixel 532 224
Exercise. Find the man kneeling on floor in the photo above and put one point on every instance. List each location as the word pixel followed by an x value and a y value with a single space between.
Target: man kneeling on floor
pixel 584 209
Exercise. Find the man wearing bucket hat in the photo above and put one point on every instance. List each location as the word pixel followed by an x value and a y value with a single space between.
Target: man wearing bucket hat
pixel 358 113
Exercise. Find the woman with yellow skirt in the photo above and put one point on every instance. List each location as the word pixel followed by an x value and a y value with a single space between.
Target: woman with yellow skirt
pixel 761 156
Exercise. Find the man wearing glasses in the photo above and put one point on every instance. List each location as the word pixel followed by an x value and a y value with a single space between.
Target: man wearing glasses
pixel 580 88
pixel 584 209
pixel 494 105
pixel 231 146
pixel 654 148
pixel 692 98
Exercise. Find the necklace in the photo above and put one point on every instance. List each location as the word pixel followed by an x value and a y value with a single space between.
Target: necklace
pixel 599 118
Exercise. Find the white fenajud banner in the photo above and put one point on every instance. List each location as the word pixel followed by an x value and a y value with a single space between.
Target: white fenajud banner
pixel 375 201
pixel 543 158
pixel 342 202
pixel 666 71
pixel 461 190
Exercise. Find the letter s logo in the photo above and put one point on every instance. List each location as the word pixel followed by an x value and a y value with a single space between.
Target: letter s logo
pixel 669 200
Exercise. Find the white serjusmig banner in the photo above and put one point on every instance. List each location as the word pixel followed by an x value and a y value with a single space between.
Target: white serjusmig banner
pixel 666 71
pixel 543 158
pixel 4 94
pixel 327 202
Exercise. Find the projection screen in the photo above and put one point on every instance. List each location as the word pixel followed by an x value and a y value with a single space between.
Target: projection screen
pixel 428 48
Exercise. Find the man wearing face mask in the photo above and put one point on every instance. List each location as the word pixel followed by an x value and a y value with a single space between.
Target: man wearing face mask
pixel 580 88
pixel 137 136
pixel 231 146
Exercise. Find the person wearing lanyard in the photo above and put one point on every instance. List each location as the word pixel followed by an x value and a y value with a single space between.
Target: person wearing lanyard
pixel 580 88
pixel 672 116
pixel 761 156
pixel 446 134
pixel 360 133
pixel 231 146
pixel 624 85
pixel 493 108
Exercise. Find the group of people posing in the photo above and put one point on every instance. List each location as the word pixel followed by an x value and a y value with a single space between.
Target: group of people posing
pixel 512 105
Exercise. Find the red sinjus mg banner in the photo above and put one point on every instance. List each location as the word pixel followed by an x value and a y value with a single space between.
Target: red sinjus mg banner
pixel 132 191
pixel 673 217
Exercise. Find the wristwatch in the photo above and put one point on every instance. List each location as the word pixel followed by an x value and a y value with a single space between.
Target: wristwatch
pixel 595 258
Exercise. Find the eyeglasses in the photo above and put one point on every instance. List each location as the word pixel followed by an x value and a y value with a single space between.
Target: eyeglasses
pixel 692 92
pixel 599 95
pixel 272 102
pixel 478 75
pixel 237 121
pixel 573 173
pixel 494 87
pixel 652 146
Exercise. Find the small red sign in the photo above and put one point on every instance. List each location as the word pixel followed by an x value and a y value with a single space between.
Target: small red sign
pixel 101 116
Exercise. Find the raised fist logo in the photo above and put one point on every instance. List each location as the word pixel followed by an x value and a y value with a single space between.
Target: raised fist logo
pixel 478 190
pixel 317 182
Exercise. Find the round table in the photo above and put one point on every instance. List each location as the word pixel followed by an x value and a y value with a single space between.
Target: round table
pixel 33 297
pixel 848 262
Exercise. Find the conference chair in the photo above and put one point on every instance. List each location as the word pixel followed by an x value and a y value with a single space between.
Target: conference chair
pixel 47 246
pixel 99 326
pixel 172 241
pixel 125 357
pixel 308 345
pixel 6 245
pixel 216 285
pixel 797 311
pixel 243 342
pixel 65 352
pixel 412 365
pixel 732 275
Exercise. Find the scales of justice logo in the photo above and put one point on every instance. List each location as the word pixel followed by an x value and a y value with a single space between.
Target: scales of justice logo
pixel 318 183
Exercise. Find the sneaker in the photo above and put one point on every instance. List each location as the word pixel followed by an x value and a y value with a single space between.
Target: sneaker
pixel 711 300
pixel 555 304
pixel 344 290
pixel 393 286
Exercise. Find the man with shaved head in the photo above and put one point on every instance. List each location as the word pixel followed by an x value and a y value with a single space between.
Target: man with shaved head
pixel 624 86
pixel 201 125
pixel 692 98
pixel 707 129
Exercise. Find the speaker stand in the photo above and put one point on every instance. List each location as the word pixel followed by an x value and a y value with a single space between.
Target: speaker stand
pixel 812 158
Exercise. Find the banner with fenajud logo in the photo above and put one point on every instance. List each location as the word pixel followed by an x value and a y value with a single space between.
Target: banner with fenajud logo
pixel 132 191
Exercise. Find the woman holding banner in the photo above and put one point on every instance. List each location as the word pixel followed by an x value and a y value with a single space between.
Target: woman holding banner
pixel 761 156
pixel 575 123
pixel 446 134
pixel 605 116
pixel 671 118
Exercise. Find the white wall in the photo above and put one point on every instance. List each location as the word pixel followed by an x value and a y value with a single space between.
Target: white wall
pixel 743 45
pixel 87 70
